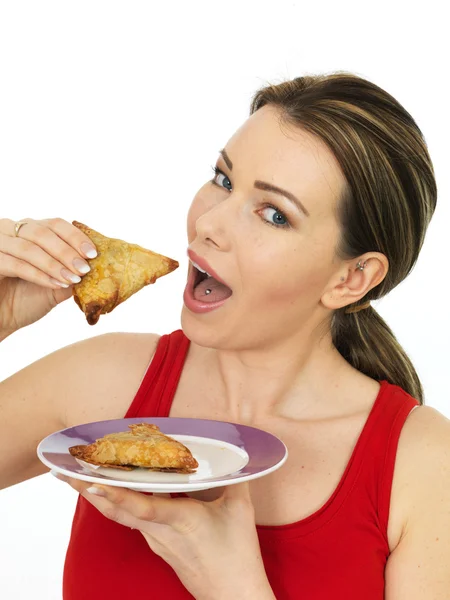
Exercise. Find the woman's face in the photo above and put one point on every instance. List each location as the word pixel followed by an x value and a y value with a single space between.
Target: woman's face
pixel 277 254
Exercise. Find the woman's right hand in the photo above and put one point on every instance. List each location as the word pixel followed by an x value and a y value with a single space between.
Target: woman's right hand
pixel 37 268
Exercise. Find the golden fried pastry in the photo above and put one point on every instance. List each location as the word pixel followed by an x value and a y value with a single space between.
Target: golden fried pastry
pixel 144 446
pixel 117 272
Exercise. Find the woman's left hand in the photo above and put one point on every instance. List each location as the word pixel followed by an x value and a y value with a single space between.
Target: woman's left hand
pixel 212 546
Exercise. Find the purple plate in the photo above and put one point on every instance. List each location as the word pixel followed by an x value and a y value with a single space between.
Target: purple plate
pixel 227 453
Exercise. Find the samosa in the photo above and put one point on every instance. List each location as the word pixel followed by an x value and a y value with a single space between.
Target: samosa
pixel 117 272
pixel 144 446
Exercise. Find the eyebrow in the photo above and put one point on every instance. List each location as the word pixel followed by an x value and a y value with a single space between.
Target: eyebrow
pixel 226 158
pixel 268 187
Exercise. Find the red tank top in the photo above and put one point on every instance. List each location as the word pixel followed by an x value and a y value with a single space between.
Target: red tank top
pixel 338 552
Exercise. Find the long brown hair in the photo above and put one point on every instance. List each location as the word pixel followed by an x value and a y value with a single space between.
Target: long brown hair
pixel 388 203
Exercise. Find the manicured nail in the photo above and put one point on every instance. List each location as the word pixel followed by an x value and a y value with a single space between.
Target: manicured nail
pixel 56 282
pixel 96 491
pixel 88 250
pixel 81 265
pixel 70 276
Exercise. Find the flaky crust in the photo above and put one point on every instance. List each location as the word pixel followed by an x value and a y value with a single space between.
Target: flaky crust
pixel 118 271
pixel 144 446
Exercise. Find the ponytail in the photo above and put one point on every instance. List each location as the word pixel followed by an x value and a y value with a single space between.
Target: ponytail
pixel 366 341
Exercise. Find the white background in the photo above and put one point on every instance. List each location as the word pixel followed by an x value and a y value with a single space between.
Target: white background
pixel 112 113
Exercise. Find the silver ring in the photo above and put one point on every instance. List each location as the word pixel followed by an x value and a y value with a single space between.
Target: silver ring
pixel 17 227
pixel 361 267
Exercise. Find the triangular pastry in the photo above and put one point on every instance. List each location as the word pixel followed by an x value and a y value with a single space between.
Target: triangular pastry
pixel 117 272
pixel 144 446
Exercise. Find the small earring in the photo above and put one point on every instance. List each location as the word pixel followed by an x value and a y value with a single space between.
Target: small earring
pixel 361 267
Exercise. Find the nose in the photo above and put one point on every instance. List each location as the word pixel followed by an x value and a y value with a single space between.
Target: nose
pixel 213 226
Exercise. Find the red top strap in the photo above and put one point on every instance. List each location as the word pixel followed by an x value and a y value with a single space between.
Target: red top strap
pixel 157 389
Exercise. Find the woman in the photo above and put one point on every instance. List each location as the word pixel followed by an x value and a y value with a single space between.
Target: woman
pixel 318 205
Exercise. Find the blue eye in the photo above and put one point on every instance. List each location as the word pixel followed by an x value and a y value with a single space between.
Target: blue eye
pixel 277 219
pixel 220 179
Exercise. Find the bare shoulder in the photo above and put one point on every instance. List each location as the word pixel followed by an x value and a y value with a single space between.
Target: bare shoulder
pixel 87 366
pixel 424 443
pixel 422 469
pixel 105 374
pixel 418 564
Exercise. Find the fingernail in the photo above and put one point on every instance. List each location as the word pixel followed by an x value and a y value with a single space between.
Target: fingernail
pixel 56 282
pixel 81 265
pixel 88 250
pixel 96 491
pixel 70 276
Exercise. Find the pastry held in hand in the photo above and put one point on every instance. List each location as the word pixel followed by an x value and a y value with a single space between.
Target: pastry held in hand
pixel 118 271
pixel 144 446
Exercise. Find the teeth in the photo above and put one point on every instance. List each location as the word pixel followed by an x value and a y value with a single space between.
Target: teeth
pixel 201 270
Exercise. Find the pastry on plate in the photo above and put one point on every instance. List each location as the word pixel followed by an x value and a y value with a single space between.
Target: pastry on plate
pixel 143 446
pixel 117 272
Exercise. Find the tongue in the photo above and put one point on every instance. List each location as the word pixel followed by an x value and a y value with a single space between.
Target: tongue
pixel 218 292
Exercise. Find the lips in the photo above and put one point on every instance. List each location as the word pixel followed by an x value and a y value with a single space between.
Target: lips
pixel 201 262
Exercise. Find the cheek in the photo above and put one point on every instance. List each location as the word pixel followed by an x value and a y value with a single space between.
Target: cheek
pixel 273 280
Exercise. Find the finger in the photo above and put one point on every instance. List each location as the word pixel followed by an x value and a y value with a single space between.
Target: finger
pixel 73 236
pixel 81 487
pixel 107 508
pixel 62 240
pixel 70 234
pixel 11 266
pixel 7 227
pixel 42 248
pixel 31 254
pixel 151 508
pixel 60 294
pixel 115 513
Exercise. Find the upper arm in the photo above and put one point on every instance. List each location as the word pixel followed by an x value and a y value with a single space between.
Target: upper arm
pixel 91 380
pixel 419 567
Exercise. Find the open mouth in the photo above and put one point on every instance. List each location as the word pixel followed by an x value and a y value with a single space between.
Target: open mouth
pixel 208 289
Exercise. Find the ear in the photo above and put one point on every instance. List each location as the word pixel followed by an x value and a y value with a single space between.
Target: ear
pixel 349 284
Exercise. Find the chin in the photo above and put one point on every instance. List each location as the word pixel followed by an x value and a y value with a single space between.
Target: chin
pixel 202 333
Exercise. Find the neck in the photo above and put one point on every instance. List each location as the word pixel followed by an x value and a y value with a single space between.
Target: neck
pixel 291 379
